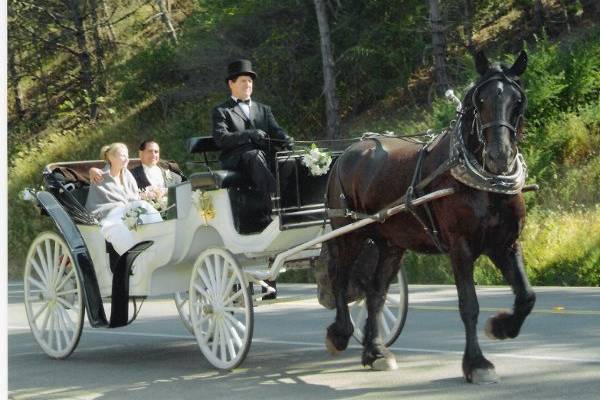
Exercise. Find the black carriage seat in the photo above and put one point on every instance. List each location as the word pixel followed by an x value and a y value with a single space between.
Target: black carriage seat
pixel 69 182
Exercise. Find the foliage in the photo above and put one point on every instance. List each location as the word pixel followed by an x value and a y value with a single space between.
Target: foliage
pixel 383 62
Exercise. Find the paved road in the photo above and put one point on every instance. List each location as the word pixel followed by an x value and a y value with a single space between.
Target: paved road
pixel 557 355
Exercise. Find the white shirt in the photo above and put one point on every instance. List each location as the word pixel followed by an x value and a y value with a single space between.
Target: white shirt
pixel 154 175
pixel 245 107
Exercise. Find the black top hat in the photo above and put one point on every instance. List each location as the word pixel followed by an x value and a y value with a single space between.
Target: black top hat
pixel 239 67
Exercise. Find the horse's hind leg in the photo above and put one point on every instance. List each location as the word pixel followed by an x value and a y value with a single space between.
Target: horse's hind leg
pixel 376 286
pixel 510 262
pixel 343 251
pixel 476 368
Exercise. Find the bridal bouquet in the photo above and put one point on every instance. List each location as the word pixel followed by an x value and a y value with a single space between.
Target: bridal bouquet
pixel 156 196
pixel 132 217
pixel 317 161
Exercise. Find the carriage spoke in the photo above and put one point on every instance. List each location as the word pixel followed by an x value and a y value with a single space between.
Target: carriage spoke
pixel 57 331
pixel 42 260
pixel 46 319
pixel 234 297
pixel 233 332
pixel 65 279
pixel 65 292
pixel 222 341
pixel 51 327
pixel 61 267
pixel 203 292
pixel 228 339
pixel 40 311
pixel 67 304
pixel 214 344
pixel 211 275
pixel 235 323
pixel 208 284
pixel 49 261
pixel 37 283
pixel 229 286
pixel 69 324
pixel 38 270
pixel 64 328
pixel 223 283
pixel 388 313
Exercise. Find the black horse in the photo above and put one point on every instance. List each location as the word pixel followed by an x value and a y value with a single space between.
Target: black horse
pixel 479 159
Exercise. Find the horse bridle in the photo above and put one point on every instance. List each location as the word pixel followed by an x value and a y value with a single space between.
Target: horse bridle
pixel 478 126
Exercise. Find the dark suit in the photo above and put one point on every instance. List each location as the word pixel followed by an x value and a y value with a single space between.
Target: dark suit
pixel 170 171
pixel 233 132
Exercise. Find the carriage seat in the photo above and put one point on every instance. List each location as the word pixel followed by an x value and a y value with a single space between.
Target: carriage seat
pixel 73 177
pixel 213 179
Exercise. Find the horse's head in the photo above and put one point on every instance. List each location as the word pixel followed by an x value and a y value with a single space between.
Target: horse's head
pixel 496 104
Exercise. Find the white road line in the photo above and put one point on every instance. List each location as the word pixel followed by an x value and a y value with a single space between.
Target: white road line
pixel 315 346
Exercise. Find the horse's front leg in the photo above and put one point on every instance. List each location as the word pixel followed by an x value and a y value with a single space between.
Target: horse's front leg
pixel 510 262
pixel 375 354
pixel 476 368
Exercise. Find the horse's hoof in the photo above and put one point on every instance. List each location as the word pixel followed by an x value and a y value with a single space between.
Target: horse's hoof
pixel 331 349
pixel 481 376
pixel 489 329
pixel 385 364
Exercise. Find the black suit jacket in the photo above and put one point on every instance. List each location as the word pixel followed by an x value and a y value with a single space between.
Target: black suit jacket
pixel 231 130
pixel 171 174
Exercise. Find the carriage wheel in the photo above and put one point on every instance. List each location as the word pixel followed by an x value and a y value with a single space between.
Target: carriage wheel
pixel 393 314
pixel 53 295
pixel 221 308
pixel 182 303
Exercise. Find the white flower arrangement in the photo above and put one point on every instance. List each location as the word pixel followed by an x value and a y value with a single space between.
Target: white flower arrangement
pixel 132 217
pixel 156 196
pixel 317 161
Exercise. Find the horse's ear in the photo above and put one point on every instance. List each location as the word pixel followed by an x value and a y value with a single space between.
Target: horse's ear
pixel 520 64
pixel 481 62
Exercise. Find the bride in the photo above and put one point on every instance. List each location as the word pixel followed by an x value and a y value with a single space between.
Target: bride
pixel 110 199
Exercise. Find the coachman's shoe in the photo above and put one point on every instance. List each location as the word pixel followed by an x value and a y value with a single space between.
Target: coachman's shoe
pixel 271 296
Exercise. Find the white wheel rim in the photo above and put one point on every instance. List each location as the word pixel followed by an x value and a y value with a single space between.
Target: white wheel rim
pixel 53 295
pixel 182 303
pixel 393 314
pixel 221 308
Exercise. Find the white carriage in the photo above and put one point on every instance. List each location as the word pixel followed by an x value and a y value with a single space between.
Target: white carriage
pixel 211 252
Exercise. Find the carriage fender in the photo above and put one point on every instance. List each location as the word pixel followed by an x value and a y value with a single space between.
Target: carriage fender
pixel 81 257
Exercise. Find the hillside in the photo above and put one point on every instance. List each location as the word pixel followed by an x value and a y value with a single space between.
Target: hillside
pixel 156 86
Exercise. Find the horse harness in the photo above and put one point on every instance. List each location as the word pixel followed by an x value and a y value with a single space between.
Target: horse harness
pixel 462 166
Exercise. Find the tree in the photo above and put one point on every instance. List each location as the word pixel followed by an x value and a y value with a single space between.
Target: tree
pixel 331 100
pixel 439 46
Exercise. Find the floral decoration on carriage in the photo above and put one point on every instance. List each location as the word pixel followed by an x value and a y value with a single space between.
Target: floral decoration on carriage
pixel 317 161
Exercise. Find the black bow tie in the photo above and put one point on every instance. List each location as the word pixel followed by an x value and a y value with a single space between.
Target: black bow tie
pixel 247 102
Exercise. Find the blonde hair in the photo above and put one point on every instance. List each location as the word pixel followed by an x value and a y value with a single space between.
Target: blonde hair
pixel 111 149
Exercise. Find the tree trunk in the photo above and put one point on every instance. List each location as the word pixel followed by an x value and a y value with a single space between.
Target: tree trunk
pixel 15 79
pixel 166 19
pixel 538 16
pixel 469 26
pixel 98 49
pixel 331 100
pixel 439 46
pixel 85 73
pixel 112 38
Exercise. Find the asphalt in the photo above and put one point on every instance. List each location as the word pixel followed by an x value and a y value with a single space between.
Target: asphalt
pixel 557 355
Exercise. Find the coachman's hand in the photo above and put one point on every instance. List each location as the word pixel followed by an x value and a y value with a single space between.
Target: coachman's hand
pixel 257 135
pixel 289 144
